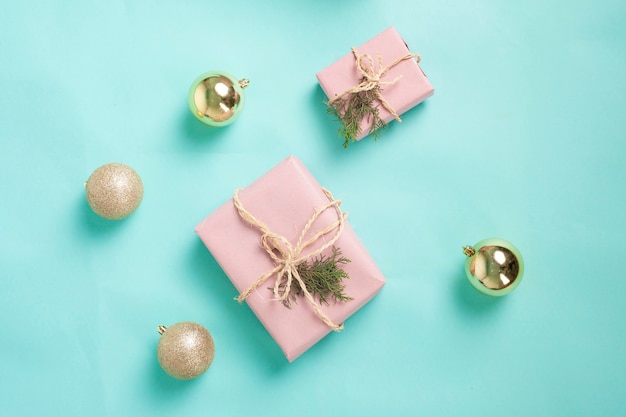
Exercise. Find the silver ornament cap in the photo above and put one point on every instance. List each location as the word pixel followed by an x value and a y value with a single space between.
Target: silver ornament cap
pixel 494 266
pixel 185 350
pixel 114 191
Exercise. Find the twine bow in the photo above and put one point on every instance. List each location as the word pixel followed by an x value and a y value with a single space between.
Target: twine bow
pixel 372 79
pixel 287 257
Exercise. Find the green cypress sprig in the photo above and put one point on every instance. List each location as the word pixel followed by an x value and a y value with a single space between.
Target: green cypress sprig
pixel 323 279
pixel 351 109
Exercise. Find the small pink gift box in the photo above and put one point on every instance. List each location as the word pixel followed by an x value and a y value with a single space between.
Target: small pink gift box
pixel 405 93
pixel 284 200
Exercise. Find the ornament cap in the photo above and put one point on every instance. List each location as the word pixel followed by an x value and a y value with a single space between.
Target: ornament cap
pixel 161 329
pixel 244 82
pixel 469 251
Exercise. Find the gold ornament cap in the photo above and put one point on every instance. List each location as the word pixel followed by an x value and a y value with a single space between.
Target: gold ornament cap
pixel 185 350
pixel 494 266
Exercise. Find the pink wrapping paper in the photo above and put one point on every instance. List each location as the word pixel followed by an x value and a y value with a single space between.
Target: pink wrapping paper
pixel 408 92
pixel 284 199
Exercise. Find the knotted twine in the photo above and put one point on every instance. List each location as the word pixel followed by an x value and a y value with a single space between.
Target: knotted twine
pixel 287 257
pixel 371 79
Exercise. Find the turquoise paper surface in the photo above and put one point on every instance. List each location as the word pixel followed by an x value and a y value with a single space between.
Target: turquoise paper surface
pixel 523 140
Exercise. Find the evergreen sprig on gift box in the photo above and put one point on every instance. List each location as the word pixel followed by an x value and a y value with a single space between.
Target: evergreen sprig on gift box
pixel 352 109
pixel 322 277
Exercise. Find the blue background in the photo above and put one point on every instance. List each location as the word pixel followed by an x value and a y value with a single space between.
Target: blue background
pixel 524 139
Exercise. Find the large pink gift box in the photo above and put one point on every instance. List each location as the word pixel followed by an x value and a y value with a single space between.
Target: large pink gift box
pixel 284 199
pixel 411 89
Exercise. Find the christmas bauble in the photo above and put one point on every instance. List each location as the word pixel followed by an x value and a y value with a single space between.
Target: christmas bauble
pixel 216 98
pixel 114 191
pixel 185 350
pixel 494 266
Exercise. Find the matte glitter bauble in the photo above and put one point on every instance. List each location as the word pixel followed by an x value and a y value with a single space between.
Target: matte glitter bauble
pixel 114 191
pixel 185 350
pixel 216 98
pixel 494 266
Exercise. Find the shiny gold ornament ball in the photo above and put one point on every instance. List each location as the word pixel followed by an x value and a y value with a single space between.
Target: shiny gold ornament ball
pixel 216 98
pixel 185 350
pixel 114 191
pixel 494 266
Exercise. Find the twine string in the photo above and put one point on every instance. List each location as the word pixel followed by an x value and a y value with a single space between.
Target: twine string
pixel 371 79
pixel 287 257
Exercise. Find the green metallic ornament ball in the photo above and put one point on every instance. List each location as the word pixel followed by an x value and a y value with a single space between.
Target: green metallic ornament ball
pixel 216 98
pixel 494 266
pixel 185 350
pixel 114 191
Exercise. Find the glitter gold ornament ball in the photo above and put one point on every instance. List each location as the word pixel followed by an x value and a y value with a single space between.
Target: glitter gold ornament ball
pixel 494 266
pixel 114 191
pixel 185 350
